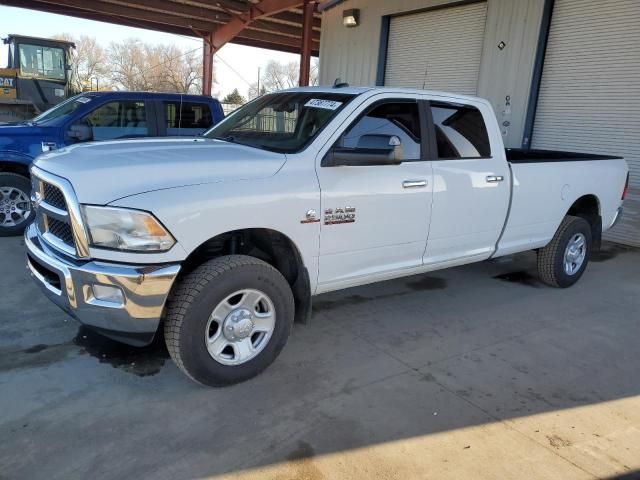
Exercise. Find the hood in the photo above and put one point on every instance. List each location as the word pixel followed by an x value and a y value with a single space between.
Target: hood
pixel 106 171
pixel 22 129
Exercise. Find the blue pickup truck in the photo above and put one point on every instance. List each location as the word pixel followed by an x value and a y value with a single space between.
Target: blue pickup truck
pixel 90 117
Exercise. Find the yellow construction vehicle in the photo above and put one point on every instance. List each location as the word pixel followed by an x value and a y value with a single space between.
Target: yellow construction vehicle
pixel 37 77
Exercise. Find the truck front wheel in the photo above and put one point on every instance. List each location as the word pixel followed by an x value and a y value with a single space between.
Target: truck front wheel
pixel 563 261
pixel 15 204
pixel 228 320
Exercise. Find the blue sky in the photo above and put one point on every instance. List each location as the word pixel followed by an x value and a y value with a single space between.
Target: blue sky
pixel 236 67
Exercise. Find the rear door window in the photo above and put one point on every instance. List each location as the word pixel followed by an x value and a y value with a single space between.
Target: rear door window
pixel 187 118
pixel 460 131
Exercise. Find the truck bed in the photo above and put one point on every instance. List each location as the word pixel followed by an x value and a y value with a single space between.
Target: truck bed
pixel 521 155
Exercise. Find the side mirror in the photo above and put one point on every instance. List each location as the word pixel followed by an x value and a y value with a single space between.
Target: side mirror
pixel 80 133
pixel 372 150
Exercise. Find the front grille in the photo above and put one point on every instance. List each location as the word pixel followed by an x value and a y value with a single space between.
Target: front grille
pixel 53 196
pixel 60 230
pixel 52 215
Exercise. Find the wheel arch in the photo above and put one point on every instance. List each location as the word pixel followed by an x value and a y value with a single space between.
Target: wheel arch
pixel 588 207
pixel 14 166
pixel 269 245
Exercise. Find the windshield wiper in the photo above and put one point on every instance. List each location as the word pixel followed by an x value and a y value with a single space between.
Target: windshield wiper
pixel 232 139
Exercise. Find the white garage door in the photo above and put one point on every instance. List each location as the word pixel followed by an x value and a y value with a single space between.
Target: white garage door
pixel 437 50
pixel 590 91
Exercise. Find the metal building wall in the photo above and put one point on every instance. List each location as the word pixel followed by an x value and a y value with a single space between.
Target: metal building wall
pixel 590 90
pixel 352 53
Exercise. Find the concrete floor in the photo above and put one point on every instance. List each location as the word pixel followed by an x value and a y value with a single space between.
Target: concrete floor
pixel 473 372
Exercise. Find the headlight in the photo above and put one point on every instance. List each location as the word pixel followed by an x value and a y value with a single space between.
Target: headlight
pixel 125 229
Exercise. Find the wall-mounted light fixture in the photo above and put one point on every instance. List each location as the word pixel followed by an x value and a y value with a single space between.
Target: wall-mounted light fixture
pixel 351 17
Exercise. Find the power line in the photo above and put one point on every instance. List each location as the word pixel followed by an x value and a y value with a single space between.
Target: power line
pixel 233 70
pixel 221 59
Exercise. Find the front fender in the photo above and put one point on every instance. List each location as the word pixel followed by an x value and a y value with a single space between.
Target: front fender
pixel 9 156
pixel 194 214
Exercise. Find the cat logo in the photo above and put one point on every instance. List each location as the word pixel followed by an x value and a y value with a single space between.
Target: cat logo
pixel 7 82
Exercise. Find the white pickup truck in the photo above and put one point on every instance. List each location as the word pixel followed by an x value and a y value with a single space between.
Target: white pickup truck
pixel 222 240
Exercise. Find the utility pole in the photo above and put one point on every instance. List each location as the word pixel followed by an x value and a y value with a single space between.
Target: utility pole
pixel 258 92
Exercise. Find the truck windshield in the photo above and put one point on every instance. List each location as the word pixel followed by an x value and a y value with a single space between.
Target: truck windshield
pixel 62 109
pixel 280 122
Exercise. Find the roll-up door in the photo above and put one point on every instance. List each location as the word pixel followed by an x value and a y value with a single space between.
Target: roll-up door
pixel 437 49
pixel 590 91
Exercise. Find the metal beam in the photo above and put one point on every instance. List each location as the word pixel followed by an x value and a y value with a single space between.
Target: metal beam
pixel 240 6
pixel 217 14
pixel 130 13
pixel 215 40
pixel 207 67
pixel 230 30
pixel 278 38
pixel 305 49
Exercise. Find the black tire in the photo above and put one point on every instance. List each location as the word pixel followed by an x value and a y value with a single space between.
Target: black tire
pixel 23 184
pixel 195 297
pixel 551 258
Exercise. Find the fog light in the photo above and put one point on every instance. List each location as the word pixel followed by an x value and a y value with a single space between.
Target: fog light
pixel 106 293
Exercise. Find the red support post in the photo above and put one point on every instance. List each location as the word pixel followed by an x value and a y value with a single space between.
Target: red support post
pixel 305 51
pixel 207 64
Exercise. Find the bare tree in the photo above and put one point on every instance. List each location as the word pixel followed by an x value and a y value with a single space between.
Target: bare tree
pixel 89 64
pixel 279 76
pixel 128 61
pixel 181 70
pixel 161 68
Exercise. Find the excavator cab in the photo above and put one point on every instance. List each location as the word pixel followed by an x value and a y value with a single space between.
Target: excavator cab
pixel 37 76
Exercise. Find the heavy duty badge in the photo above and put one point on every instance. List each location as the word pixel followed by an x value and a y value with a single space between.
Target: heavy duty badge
pixel 339 215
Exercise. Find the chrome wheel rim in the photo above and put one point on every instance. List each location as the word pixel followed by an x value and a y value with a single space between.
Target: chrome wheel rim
pixel 575 254
pixel 240 327
pixel 15 206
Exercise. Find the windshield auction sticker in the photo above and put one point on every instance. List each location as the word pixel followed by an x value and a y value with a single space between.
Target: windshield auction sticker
pixel 326 104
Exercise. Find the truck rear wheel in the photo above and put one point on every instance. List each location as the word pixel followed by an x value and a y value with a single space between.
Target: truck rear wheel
pixel 15 204
pixel 563 261
pixel 228 320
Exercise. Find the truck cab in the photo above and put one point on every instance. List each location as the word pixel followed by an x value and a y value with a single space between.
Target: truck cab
pixel 91 117
pixel 37 77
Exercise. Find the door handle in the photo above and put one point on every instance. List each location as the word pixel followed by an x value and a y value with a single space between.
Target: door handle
pixel 494 178
pixel 414 183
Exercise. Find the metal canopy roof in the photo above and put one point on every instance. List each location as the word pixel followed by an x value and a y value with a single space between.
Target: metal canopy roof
pixel 281 31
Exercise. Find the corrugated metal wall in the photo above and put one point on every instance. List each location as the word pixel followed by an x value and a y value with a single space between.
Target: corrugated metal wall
pixel 352 53
pixel 590 91
pixel 437 50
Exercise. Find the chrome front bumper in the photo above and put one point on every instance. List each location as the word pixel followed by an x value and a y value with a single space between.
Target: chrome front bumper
pixel 124 302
